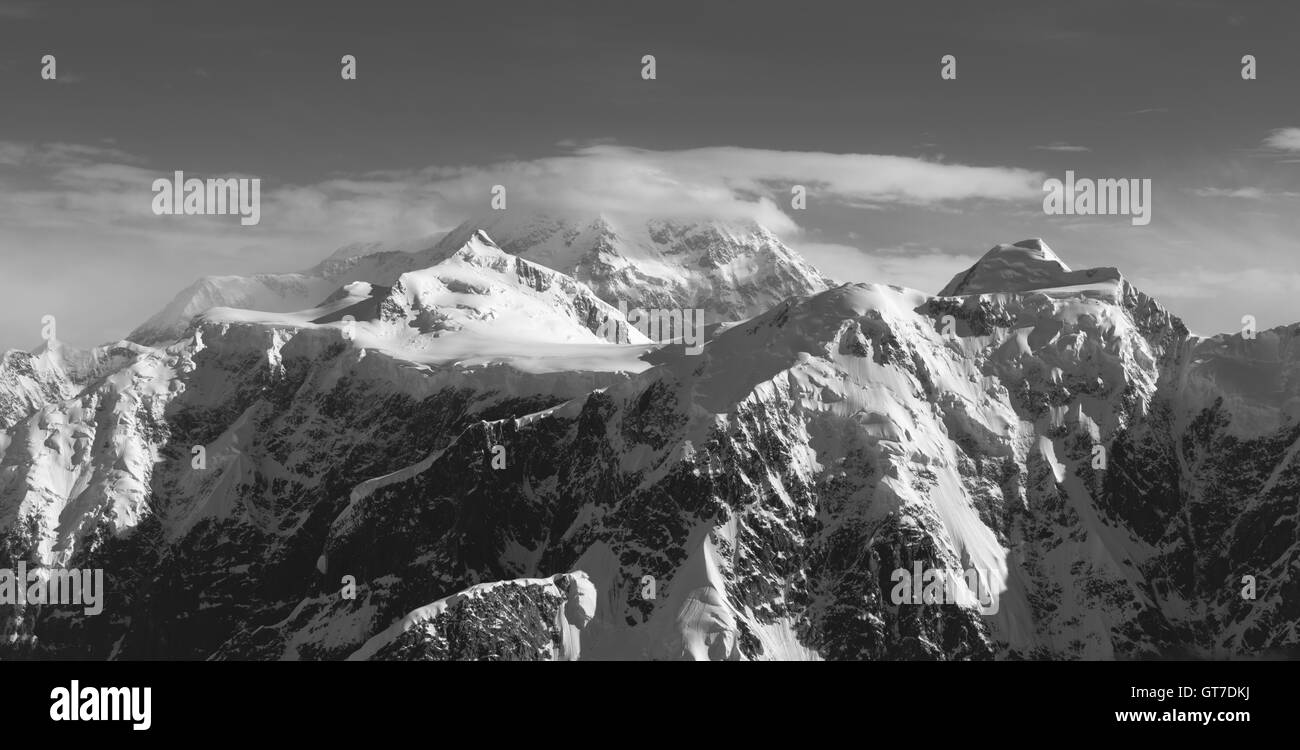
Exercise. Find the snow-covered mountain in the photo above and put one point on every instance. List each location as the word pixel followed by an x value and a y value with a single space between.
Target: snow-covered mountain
pixel 90 444
pixel 54 372
pixel 281 292
pixel 1022 267
pixel 497 480
pixel 731 271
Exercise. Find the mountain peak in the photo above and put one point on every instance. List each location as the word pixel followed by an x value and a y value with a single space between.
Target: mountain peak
pixel 1033 243
pixel 1020 267
pixel 1026 253
pixel 731 269
pixel 355 250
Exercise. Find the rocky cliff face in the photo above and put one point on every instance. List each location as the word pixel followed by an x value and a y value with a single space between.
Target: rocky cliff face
pixel 1111 478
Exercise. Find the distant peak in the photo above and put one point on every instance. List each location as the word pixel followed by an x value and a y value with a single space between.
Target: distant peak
pixel 1020 267
pixel 1033 244
pixel 479 244
pixel 364 249
pixel 1029 251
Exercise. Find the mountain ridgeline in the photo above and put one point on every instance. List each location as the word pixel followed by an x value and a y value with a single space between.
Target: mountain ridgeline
pixel 431 452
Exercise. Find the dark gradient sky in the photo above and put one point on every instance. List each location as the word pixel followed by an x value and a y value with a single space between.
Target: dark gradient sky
pixel 1149 89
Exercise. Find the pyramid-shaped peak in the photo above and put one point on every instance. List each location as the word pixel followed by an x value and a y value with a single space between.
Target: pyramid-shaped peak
pixel 1034 243
pixel 477 245
pixel 1029 251
pixel 1019 267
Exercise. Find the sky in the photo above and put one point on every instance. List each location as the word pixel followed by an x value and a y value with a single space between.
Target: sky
pixel 909 177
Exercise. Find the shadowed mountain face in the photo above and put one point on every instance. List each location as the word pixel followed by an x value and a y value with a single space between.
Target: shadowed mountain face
pixel 444 459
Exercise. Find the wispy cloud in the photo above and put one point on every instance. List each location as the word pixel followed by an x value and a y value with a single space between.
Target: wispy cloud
pixel 723 183
pixel 1061 146
pixel 726 182
pixel 1245 193
pixel 50 158
pixel 926 269
pixel 1283 139
pixel 1200 282
pixel 62 198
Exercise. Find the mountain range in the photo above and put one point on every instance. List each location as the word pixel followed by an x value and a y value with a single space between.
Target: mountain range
pixel 432 451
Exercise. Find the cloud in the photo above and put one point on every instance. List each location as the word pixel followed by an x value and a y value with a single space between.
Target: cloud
pixel 12 154
pixel 52 156
pixel 725 183
pixel 1061 146
pixel 1246 193
pixel 926 269
pixel 1200 282
pixel 721 182
pixel 79 216
pixel 1284 139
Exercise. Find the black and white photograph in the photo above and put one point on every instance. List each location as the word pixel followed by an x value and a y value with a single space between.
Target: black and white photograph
pixel 650 331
